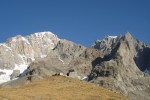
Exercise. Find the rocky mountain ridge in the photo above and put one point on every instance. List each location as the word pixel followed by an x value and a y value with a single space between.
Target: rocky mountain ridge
pixel 124 68
pixel 137 49
pixel 18 52
pixel 120 63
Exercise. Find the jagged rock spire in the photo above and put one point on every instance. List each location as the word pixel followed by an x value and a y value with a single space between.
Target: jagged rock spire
pixel 128 36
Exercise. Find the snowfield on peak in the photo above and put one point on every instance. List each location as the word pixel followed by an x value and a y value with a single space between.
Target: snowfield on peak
pixel 112 36
pixel 43 33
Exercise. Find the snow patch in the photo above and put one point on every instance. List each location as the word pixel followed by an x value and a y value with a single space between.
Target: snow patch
pixel 5 77
pixel 6 71
pixel 20 67
pixel 112 36
pixel 43 33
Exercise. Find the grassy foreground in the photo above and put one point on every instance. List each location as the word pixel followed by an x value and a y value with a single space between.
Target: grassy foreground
pixel 59 88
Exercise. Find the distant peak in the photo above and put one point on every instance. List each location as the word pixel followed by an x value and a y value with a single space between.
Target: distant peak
pixel 43 33
pixel 128 34
pixel 112 36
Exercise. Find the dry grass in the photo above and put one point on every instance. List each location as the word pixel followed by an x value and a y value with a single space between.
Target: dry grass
pixel 59 88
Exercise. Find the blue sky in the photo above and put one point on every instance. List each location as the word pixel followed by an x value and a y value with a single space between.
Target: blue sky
pixel 81 21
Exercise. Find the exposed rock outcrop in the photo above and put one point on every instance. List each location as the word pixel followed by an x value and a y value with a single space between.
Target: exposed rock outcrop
pixel 82 64
pixel 68 50
pixel 106 44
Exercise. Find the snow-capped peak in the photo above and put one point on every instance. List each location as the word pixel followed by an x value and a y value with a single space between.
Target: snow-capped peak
pixel 23 50
pixel 112 36
pixel 43 33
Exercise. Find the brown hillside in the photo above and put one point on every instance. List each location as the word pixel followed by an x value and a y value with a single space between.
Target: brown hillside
pixel 59 88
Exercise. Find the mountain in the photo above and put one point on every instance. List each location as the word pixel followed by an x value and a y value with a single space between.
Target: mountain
pixel 140 51
pixel 120 63
pixel 122 69
pixel 19 51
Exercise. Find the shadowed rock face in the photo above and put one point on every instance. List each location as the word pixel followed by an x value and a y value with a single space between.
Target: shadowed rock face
pixel 149 63
pixel 142 59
